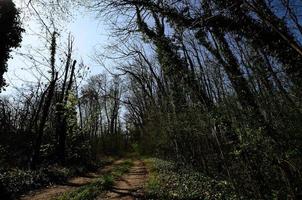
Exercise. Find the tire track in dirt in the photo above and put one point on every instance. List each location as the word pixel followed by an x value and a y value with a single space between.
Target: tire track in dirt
pixel 129 186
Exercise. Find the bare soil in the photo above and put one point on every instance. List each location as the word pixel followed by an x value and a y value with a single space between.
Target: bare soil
pixel 54 191
pixel 129 186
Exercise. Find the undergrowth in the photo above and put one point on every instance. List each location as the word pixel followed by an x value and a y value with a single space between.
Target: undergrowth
pixel 15 182
pixel 169 181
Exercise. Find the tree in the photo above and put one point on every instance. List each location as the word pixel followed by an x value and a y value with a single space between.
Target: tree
pixel 45 102
pixel 10 34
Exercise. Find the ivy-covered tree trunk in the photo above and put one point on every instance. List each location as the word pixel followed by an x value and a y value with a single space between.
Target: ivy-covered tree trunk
pixel 45 104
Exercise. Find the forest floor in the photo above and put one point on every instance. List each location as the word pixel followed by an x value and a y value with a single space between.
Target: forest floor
pixel 54 191
pixel 127 187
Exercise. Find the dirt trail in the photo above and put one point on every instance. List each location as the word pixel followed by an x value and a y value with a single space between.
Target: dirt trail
pixel 72 184
pixel 129 186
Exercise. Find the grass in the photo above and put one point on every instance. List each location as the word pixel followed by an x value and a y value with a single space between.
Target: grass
pixel 153 183
pixel 122 168
pixel 104 182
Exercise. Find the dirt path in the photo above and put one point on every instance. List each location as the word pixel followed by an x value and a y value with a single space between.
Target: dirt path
pixel 129 186
pixel 72 184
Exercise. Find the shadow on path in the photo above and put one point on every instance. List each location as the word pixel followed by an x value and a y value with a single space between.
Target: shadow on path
pixel 129 186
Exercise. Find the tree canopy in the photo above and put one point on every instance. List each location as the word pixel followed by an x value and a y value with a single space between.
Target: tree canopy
pixel 10 34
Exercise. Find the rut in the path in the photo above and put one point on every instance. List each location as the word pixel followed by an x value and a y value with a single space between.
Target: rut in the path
pixel 129 186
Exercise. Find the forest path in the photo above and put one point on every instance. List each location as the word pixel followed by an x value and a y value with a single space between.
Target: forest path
pixel 129 186
pixel 72 184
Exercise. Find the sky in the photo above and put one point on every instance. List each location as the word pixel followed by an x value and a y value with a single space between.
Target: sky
pixel 88 32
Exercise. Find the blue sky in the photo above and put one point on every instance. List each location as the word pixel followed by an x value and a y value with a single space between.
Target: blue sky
pixel 88 32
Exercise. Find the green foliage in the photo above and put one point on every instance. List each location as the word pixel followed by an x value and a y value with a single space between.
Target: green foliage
pixel 108 181
pixel 169 181
pixel 78 150
pixel 10 34
pixel 122 168
pixel 136 148
pixel 153 185
pixel 16 182
pixel 219 93
pixel 71 114
pixel 87 192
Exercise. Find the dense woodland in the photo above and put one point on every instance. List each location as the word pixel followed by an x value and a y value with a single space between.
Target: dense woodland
pixel 211 84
